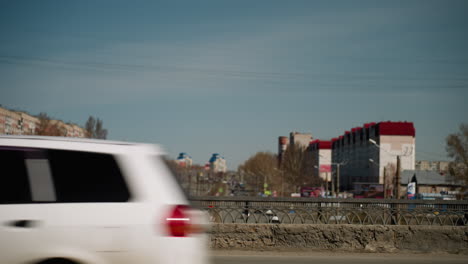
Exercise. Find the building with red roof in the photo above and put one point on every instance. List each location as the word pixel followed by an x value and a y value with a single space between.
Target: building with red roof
pixel 365 152
pixel 362 154
pixel 321 153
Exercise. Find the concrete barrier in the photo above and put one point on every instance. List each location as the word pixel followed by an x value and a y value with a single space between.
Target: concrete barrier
pixel 361 238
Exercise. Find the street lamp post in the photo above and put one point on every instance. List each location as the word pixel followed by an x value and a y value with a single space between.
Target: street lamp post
pixel 338 171
pixel 326 182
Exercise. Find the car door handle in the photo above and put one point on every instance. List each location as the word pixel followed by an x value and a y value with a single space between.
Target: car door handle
pixel 23 223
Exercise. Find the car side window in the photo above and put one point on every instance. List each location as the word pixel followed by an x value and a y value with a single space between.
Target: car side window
pixel 14 183
pixel 87 177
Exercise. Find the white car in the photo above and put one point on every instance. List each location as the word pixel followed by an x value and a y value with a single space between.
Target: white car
pixel 80 201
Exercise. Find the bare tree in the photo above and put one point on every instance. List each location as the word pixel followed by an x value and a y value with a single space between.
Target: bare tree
pixel 259 169
pixel 48 127
pixel 457 148
pixel 89 127
pixel 297 166
pixel 101 132
pixel 95 129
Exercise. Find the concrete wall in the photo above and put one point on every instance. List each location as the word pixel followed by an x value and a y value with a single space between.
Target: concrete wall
pixel 360 238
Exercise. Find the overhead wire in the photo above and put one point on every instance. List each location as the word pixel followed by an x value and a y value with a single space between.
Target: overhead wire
pixel 108 66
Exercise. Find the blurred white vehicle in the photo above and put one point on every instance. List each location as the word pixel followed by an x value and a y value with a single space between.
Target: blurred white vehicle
pixel 80 201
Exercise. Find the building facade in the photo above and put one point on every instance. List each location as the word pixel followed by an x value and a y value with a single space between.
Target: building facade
pixel 9 122
pixel 184 160
pixel 368 154
pixel 17 123
pixel 426 165
pixel 283 143
pixel 431 184
pixel 321 154
pixel 217 163
pixel 20 123
pixel 27 123
pixel 302 139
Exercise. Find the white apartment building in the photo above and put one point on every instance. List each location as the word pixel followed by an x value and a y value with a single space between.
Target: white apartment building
pixel 20 123
pixel 217 163
pixel 184 160
pixel 17 123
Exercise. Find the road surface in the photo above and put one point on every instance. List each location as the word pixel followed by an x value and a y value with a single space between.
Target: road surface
pixel 240 257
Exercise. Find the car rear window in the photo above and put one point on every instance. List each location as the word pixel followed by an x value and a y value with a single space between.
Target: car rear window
pixel 62 176
pixel 87 177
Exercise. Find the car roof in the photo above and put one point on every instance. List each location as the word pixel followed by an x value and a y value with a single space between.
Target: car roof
pixel 84 144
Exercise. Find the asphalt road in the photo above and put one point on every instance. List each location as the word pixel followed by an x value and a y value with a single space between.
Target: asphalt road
pixel 333 258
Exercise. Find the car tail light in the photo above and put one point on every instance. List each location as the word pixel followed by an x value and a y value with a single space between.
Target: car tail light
pixel 179 222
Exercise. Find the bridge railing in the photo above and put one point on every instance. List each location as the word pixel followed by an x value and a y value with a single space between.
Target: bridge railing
pixel 333 211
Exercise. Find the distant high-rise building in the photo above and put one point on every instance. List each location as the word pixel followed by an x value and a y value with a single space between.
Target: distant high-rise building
pixel 303 139
pixel 282 146
pixel 184 160
pixel 218 163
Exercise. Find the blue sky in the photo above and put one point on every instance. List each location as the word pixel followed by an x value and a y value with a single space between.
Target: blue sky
pixel 229 77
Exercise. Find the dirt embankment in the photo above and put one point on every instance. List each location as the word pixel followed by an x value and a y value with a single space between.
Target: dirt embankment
pixel 359 238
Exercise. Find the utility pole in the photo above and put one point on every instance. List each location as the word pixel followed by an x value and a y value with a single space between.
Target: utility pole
pixel 198 184
pixel 282 183
pixel 332 185
pixel 326 182
pixel 338 179
pixel 397 178
pixel 385 182
pixel 189 183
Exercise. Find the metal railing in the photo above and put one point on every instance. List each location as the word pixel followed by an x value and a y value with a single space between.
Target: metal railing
pixel 333 211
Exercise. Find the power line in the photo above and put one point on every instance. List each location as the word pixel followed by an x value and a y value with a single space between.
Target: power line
pixel 21 60
pixel 28 60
